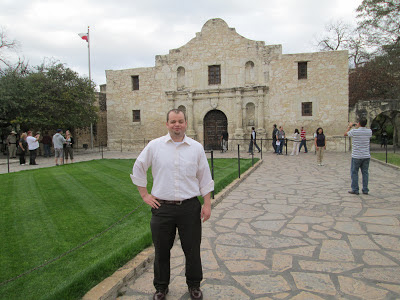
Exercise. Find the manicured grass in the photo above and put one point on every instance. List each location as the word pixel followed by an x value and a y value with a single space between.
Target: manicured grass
pixel 392 158
pixel 46 212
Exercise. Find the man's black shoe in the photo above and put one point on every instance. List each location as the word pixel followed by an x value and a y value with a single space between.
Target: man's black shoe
pixel 160 295
pixel 354 193
pixel 195 293
pixel 365 193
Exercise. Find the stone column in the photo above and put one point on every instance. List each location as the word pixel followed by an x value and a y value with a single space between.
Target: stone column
pixel 190 132
pixel 239 132
pixel 260 112
pixel 171 100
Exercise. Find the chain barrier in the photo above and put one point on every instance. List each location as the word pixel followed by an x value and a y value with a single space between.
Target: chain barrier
pixel 71 250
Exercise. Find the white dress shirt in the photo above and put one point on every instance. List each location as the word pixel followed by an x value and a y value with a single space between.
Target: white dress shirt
pixel 179 171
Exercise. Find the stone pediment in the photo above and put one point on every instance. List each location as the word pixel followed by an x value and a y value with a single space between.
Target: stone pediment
pixel 217 38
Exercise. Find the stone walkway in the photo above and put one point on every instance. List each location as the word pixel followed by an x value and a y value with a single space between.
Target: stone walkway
pixel 292 231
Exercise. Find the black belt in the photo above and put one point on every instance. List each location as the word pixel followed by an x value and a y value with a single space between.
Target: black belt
pixel 172 202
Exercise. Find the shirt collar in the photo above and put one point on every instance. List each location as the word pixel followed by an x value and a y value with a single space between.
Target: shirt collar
pixel 185 140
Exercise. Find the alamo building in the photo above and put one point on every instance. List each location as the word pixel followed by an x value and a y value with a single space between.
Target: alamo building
pixel 225 81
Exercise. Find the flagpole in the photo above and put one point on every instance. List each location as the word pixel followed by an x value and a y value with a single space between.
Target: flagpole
pixel 90 80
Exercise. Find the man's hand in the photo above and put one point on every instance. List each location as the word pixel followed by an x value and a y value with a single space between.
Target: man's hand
pixel 151 200
pixel 205 212
pixel 148 198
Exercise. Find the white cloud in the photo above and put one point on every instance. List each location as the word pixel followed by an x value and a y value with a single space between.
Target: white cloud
pixel 128 34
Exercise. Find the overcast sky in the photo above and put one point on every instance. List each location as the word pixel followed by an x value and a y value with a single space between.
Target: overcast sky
pixel 129 33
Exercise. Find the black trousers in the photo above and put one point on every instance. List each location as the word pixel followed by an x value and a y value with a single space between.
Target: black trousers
pixel 32 157
pixel 164 222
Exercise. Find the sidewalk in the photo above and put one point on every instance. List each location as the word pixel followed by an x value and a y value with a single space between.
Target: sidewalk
pixel 292 231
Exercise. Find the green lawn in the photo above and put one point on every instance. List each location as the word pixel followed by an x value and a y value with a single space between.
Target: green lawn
pixel 392 158
pixel 46 212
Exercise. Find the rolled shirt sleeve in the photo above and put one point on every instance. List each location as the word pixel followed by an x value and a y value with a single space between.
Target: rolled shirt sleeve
pixel 206 184
pixel 140 167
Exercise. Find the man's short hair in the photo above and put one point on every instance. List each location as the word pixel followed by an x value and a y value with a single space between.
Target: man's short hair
pixel 177 111
pixel 59 130
pixel 363 122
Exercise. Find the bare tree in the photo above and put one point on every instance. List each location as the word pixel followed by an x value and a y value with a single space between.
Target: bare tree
pixel 7 44
pixel 340 35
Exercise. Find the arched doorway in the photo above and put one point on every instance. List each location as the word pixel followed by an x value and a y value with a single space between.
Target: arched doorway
pixel 215 122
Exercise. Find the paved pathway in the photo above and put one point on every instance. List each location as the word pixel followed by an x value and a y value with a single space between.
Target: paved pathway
pixel 292 231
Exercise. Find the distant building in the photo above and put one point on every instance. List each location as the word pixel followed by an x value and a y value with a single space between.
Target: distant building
pixel 227 82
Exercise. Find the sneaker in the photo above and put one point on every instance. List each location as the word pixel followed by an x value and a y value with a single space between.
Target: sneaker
pixel 160 295
pixel 322 164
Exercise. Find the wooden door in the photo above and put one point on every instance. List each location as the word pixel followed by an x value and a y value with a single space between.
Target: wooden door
pixel 215 122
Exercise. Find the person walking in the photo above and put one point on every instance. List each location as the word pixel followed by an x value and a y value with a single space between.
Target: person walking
pixel 320 145
pixel 69 144
pixel 274 132
pixel 303 140
pixel 33 145
pixel 180 174
pixel 12 144
pixel 22 149
pixel 224 141
pixel 58 142
pixel 360 154
pixel 253 141
pixel 296 142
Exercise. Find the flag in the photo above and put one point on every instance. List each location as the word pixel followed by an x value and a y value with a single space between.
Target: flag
pixel 84 36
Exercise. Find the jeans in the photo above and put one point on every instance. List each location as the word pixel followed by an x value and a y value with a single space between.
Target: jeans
pixel 274 145
pixel 303 142
pixel 32 157
pixel 362 164
pixel 281 146
pixel 251 146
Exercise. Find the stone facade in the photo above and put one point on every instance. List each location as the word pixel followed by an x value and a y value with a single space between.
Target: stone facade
pixel 256 86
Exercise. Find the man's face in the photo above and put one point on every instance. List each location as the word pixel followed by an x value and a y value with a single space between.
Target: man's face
pixel 176 125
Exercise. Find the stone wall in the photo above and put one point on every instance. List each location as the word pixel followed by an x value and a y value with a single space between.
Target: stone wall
pixel 259 87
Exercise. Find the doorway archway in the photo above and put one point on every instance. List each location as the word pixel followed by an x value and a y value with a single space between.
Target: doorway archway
pixel 215 122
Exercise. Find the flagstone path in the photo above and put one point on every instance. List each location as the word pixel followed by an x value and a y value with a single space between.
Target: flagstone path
pixel 292 231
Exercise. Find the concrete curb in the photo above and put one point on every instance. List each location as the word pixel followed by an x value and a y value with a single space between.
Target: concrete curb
pixel 385 164
pixel 109 288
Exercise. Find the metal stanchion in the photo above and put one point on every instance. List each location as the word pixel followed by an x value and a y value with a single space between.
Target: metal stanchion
pixel 239 160
pixel 386 152
pixel 101 147
pixel 286 145
pixel 212 169
pixel 261 148
pixel 8 160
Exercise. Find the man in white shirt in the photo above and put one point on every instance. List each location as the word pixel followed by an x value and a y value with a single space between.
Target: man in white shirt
pixel 360 155
pixel 180 174
pixel 33 144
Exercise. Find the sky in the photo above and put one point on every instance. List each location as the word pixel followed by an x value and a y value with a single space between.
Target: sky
pixel 128 34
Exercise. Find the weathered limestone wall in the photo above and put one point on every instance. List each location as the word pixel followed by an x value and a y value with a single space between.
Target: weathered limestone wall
pixel 259 87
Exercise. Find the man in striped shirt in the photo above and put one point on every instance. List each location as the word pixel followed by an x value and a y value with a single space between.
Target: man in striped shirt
pixel 360 155
pixel 303 140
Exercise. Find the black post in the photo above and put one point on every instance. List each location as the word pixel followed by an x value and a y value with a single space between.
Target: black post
pixel 386 152
pixel 101 147
pixel 261 148
pixel 212 170
pixel 8 159
pixel 345 146
pixel 239 160
pixel 286 145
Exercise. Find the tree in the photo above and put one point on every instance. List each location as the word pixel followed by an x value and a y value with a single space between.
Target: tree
pixel 380 21
pixel 5 45
pixel 48 97
pixel 342 36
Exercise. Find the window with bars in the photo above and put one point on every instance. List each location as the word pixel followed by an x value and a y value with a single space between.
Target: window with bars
pixel 214 74
pixel 135 83
pixel 136 115
pixel 306 109
pixel 302 70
